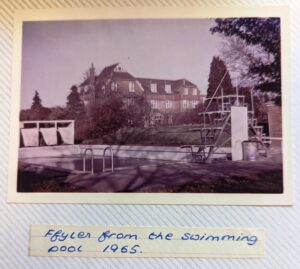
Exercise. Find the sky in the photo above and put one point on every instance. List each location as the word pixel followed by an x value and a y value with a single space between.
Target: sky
pixel 56 54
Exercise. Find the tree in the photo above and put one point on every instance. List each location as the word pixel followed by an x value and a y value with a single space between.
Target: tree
pixel 57 113
pixel 240 57
pixel 257 31
pixel 75 106
pixel 37 110
pixel 217 71
pixel 107 114
pixel 138 113
pixel 37 102
pixel 25 115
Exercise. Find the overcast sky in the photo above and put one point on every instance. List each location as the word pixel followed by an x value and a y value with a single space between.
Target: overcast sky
pixel 57 53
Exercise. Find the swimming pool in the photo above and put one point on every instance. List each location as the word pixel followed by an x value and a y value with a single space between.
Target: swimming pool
pixel 75 162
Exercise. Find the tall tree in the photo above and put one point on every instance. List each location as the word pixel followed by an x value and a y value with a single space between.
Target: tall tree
pixel 217 71
pixel 37 110
pixel 240 57
pixel 36 101
pixel 258 31
pixel 75 106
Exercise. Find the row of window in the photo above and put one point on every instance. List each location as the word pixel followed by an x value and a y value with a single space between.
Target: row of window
pixel 169 103
pixel 114 86
pixel 186 91
pixel 153 88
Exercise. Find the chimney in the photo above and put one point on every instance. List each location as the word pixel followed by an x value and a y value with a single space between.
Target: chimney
pixel 92 75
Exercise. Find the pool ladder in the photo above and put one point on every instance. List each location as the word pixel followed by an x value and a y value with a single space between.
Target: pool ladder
pixel 92 159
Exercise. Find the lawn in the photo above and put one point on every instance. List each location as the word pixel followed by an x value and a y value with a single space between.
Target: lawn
pixel 158 136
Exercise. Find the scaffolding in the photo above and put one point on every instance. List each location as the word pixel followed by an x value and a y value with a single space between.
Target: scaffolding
pixel 216 130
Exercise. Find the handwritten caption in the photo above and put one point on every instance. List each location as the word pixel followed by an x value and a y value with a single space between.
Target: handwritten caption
pixel 93 241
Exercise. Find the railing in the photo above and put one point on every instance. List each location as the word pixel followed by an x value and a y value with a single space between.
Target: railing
pixel 112 158
pixel 92 159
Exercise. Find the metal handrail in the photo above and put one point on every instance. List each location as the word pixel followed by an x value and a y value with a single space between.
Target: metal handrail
pixel 92 159
pixel 112 158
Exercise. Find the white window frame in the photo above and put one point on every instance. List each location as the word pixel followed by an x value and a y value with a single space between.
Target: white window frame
pixel 169 104
pixel 184 104
pixel 129 101
pixel 131 86
pixel 195 91
pixel 194 103
pixel 153 87
pixel 186 91
pixel 168 88
pixel 153 103
pixel 114 86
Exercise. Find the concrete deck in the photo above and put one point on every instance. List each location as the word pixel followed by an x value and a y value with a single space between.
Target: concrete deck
pixel 262 176
pixel 222 176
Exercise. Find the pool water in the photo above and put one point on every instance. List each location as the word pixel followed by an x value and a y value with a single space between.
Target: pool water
pixel 76 162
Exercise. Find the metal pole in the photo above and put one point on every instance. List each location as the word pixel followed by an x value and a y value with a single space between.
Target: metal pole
pixel 211 98
pixel 252 103
pixel 222 99
pixel 237 91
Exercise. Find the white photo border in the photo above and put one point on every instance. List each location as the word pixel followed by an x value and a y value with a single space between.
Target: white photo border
pixel 285 198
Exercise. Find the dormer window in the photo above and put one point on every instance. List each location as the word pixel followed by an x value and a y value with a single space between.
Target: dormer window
pixel 186 91
pixel 194 91
pixel 119 68
pixel 131 86
pixel 114 86
pixel 153 87
pixel 168 88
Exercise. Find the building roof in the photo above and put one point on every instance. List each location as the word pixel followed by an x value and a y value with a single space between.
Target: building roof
pixel 110 72
pixel 160 84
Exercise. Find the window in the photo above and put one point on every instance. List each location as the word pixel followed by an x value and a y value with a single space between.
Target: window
pixel 186 91
pixel 194 103
pixel 153 103
pixel 194 91
pixel 119 69
pixel 131 86
pixel 168 88
pixel 114 86
pixel 153 87
pixel 168 104
pixel 184 104
pixel 129 101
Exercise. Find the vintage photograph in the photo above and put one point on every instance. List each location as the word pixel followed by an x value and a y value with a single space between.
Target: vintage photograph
pixel 151 106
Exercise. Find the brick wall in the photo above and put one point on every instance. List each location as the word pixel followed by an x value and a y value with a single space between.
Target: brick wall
pixel 275 122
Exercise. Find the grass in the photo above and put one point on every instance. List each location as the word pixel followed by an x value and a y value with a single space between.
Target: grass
pixel 158 136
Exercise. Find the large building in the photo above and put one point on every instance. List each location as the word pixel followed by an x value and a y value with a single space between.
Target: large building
pixel 165 96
